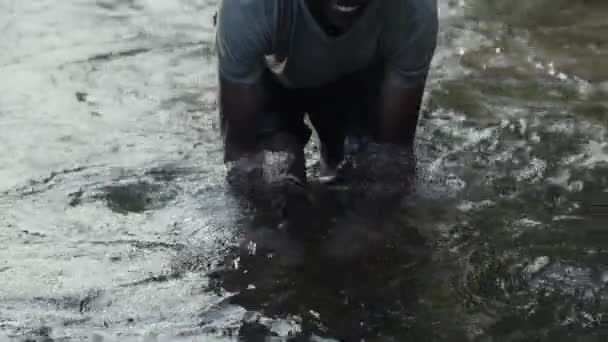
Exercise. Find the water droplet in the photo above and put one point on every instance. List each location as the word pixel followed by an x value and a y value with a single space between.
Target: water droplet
pixel 535 138
pixel 498 50
pixel 251 316
pixel 235 263
pixel 461 51
pixel 551 70
pixel 523 126
pixel 538 264
pixel 250 287
pixel 576 186
pixel 252 248
pixel 315 314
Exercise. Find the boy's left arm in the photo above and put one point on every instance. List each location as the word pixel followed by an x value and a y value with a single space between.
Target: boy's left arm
pixel 399 112
pixel 410 48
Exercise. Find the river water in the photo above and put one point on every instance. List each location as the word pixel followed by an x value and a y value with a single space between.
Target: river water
pixel 115 224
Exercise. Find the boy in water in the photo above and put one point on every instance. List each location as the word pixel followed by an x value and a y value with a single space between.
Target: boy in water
pixel 357 68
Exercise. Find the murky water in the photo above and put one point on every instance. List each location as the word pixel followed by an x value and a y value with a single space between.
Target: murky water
pixel 115 224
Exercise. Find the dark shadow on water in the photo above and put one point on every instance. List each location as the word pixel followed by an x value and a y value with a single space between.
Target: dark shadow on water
pixel 136 197
pixel 346 271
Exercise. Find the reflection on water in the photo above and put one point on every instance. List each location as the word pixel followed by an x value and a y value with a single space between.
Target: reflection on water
pixel 116 223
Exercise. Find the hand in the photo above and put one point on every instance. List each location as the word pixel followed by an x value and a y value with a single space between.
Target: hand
pixel 382 168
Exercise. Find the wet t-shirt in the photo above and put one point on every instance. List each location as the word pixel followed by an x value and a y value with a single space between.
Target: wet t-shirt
pixel 284 37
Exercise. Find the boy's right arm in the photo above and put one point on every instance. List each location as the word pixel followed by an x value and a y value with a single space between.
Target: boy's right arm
pixel 243 38
pixel 241 107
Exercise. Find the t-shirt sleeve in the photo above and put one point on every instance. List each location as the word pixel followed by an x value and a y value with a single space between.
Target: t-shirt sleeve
pixel 243 37
pixel 411 39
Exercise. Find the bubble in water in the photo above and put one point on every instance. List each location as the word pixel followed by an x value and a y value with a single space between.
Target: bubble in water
pixel 455 183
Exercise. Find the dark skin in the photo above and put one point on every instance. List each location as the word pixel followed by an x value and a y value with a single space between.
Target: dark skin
pixel 242 105
pixel 332 20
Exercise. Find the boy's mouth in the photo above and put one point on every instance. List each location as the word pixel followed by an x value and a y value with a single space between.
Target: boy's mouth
pixel 346 6
pixel 345 9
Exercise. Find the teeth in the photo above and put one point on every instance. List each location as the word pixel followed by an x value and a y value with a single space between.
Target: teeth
pixel 346 9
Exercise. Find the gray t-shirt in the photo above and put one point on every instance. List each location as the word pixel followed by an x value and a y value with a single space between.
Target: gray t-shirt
pixel 283 36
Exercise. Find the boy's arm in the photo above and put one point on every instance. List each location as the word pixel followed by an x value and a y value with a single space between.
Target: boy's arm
pixel 243 37
pixel 410 50
pixel 241 107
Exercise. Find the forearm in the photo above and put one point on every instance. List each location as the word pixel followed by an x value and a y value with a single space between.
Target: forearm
pixel 241 107
pixel 393 159
pixel 399 111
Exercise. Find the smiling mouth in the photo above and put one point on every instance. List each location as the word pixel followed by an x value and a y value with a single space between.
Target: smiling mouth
pixel 345 9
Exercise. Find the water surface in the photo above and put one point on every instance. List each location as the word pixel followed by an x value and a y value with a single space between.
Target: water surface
pixel 116 225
